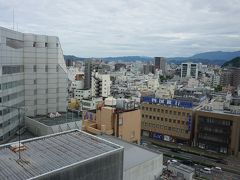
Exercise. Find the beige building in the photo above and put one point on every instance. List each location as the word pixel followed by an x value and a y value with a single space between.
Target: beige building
pixel 123 124
pixel 168 123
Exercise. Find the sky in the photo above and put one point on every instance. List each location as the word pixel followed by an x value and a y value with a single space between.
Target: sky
pixel 102 28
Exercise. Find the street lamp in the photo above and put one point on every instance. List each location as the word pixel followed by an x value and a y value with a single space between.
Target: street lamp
pixel 19 121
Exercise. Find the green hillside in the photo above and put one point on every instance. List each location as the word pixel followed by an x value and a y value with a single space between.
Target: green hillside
pixel 235 62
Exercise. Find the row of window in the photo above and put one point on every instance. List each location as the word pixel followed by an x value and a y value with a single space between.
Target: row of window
pixel 12 69
pixel 8 110
pixel 12 96
pixel 46 68
pixel 209 120
pixel 158 126
pixel 166 111
pixel 164 119
pixel 8 134
pixel 46 44
pixel 9 121
pixel 12 84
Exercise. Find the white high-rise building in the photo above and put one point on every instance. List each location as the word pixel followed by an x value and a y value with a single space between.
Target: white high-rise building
pixel 189 70
pixel 33 75
pixel 100 85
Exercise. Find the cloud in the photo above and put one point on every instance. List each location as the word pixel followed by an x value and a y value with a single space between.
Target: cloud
pixel 96 28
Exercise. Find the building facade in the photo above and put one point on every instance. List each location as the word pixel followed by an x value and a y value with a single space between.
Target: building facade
pixel 217 131
pixel 160 64
pixel 189 70
pixel 33 76
pixel 166 122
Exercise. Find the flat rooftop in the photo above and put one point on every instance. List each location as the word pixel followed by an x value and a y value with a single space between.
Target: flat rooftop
pixel 52 153
pixel 133 153
pixel 64 118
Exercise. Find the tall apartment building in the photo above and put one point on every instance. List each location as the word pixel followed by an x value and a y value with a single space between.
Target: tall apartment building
pixel 189 70
pixel 160 64
pixel 87 74
pixel 217 131
pixel 168 120
pixel 33 75
pixel 230 76
pixel 100 84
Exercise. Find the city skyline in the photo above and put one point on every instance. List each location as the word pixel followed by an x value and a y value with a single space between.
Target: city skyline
pixel 119 28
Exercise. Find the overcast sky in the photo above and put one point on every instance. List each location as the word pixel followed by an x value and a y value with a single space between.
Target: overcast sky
pixel 100 28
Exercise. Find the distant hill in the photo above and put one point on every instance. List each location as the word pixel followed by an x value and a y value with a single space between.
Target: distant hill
pixel 235 62
pixel 213 57
pixel 128 58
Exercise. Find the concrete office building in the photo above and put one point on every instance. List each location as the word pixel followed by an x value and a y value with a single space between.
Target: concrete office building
pixel 189 70
pixel 230 76
pixel 148 68
pixel 217 131
pixel 87 74
pixel 168 120
pixel 160 64
pixel 33 75
pixel 72 155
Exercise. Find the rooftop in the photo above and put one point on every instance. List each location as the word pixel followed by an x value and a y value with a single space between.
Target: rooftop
pixel 64 118
pixel 50 153
pixel 133 154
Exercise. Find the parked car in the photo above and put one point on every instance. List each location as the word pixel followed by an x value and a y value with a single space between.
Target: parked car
pixel 216 169
pixel 206 170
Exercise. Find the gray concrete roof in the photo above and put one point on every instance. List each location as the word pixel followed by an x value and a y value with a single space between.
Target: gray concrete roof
pixel 51 153
pixel 133 153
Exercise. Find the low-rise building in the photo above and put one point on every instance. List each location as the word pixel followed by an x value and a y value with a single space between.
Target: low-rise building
pixel 181 171
pixel 120 119
pixel 72 155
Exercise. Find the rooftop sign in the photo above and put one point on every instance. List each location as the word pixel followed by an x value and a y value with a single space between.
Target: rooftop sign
pixel 168 102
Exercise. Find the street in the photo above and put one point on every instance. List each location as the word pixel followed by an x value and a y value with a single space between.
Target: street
pixel 169 154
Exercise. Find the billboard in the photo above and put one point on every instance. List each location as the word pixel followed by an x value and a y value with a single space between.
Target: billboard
pixel 169 102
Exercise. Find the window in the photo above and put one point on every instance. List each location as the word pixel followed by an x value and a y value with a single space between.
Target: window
pixel 146 116
pixel 57 44
pixel 183 114
pixel 46 68
pixel 174 112
pixel 120 121
pixel 34 68
pixel 14 43
pixel 34 81
pixel 178 121
pixel 166 119
pixel 161 119
pixel 179 113
pixel 57 68
pixel 147 108
pixel 12 69
pixel 154 117
pixel 150 117
pixel 182 122
pixel 142 115
pixel 169 128
pixel 157 118
pixel 46 44
pixel 162 111
pixel 158 110
pixel 142 107
pixel 170 112
pixel 154 109
pixel 150 109
pixel 174 121
pixel 170 120
pixel 34 44
pixel 166 111
pixel 35 91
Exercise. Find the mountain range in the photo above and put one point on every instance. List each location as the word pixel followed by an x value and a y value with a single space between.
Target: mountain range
pixel 213 57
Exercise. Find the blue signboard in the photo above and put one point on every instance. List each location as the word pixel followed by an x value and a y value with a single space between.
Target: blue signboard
pixel 170 102
pixel 189 123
